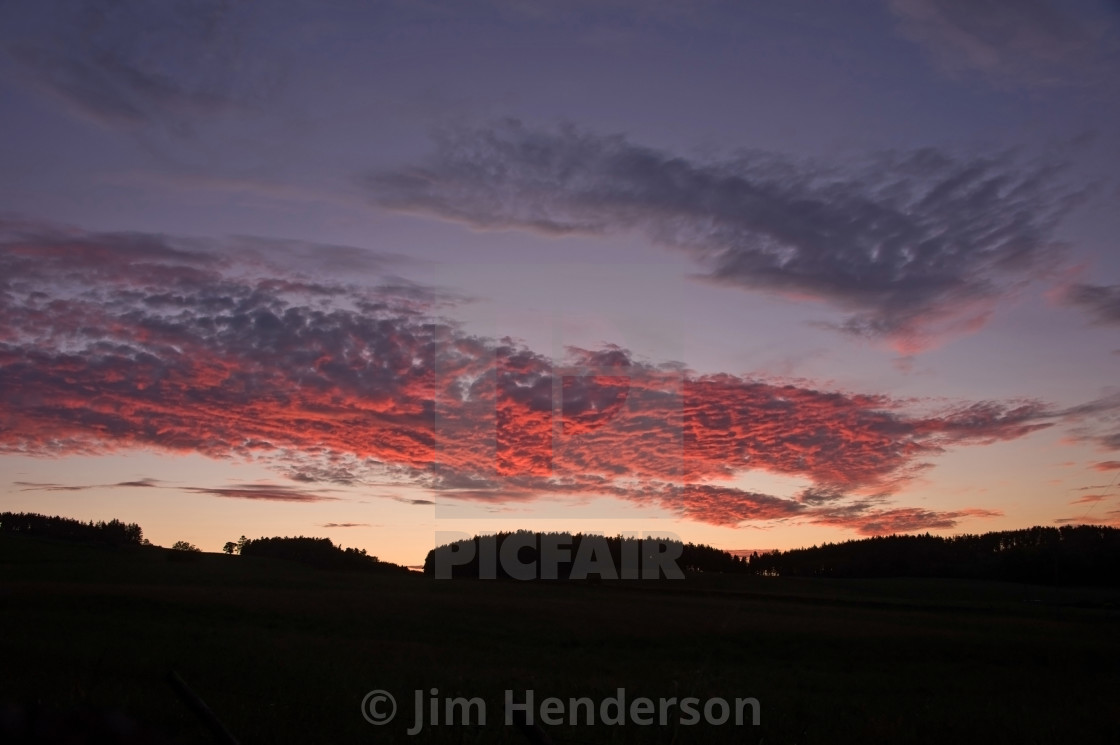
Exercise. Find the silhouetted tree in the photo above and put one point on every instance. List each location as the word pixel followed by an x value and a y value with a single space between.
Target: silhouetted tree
pixel 113 532
pixel 234 547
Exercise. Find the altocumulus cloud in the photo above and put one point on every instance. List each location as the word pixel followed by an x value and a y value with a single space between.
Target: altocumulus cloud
pixel 913 246
pixel 116 341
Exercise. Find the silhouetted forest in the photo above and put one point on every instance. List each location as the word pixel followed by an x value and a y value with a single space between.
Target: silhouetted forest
pixel 1069 555
pixel 320 553
pixel 623 551
pixel 114 532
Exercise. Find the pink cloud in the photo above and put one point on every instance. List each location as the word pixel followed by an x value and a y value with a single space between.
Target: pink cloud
pixel 119 342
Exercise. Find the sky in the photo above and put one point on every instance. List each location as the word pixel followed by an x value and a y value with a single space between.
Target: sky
pixel 753 274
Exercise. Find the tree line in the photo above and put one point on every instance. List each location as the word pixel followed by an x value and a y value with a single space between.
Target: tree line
pixel 113 532
pixel 319 553
pixel 1067 555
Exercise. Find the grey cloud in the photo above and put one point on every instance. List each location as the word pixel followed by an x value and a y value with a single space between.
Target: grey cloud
pixel 135 63
pixel 261 492
pixel 1037 42
pixel 420 502
pixel 144 483
pixel 40 486
pixel 1101 302
pixel 1104 405
pixel 1097 421
pixel 318 259
pixel 815 497
pixel 911 245
pixel 311 474
pixel 1110 441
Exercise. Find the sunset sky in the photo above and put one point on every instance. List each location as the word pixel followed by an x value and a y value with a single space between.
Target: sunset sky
pixel 754 274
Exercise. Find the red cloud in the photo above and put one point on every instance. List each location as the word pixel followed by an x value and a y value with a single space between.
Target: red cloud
pixel 112 342
pixel 905 520
pixel 726 506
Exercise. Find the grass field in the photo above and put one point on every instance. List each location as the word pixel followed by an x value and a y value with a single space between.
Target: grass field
pixel 285 654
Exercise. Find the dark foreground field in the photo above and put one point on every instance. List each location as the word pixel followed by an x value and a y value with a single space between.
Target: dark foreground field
pixel 285 654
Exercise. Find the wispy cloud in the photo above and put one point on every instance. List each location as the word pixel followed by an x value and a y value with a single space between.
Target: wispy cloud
pixel 866 516
pixel 1101 302
pixel 144 483
pixel 262 492
pixel 1032 42
pixel 265 492
pixel 1097 422
pixel 420 502
pixel 1090 499
pixel 913 246
pixel 38 486
pixel 344 525
pixel 136 63
pixel 902 520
